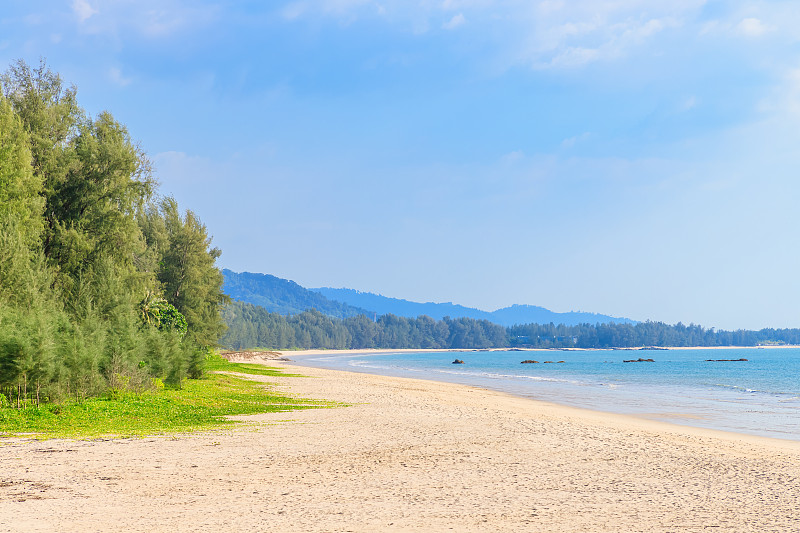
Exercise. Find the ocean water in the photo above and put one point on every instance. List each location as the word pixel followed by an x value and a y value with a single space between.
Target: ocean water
pixel 760 396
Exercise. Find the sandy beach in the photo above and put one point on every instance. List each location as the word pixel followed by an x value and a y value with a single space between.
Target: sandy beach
pixel 407 455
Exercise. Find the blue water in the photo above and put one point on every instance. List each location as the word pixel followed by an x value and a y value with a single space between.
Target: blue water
pixel 760 396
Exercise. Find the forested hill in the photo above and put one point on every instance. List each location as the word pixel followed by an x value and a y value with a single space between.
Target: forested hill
pixel 251 326
pixel 531 314
pixel 383 305
pixel 508 316
pixel 283 296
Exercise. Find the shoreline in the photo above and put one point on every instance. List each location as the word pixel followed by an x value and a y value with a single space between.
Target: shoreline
pixel 638 422
pixel 407 455
pixel 609 418
pixel 379 351
pixel 689 416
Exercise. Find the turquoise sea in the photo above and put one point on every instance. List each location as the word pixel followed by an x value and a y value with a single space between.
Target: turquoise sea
pixel 760 396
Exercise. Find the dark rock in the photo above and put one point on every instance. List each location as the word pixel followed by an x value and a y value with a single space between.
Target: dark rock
pixel 640 360
pixel 458 362
pixel 527 361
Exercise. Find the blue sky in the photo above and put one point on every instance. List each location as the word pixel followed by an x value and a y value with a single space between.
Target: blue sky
pixel 629 157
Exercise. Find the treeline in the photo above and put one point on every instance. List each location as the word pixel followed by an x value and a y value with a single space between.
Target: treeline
pixel 253 326
pixel 642 334
pixel 103 285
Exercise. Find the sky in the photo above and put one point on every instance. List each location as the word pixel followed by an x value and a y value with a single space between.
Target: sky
pixel 635 158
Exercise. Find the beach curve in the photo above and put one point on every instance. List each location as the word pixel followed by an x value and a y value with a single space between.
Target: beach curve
pixel 408 455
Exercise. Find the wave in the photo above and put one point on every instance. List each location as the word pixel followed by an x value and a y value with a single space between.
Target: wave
pixel 748 390
pixel 466 373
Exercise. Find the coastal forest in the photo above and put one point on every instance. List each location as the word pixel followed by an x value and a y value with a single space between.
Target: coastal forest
pixel 285 315
pixel 104 284
pixel 253 326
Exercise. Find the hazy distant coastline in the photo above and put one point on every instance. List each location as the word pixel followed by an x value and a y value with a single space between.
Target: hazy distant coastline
pixel 274 313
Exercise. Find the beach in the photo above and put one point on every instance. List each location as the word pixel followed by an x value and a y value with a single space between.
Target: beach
pixel 407 455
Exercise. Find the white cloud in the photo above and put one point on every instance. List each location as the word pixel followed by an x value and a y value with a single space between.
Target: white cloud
pixel 709 28
pixel 454 22
pixel 648 29
pixel 294 10
pixel 161 22
pixel 572 141
pixel 579 42
pixel 337 8
pixel 544 34
pixel 149 18
pixel 512 157
pixel 572 57
pixel 785 98
pixel 115 75
pixel 751 27
pixel 83 9
pixel 560 34
pixel 688 104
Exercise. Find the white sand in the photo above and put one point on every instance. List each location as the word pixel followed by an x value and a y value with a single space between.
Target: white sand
pixel 408 455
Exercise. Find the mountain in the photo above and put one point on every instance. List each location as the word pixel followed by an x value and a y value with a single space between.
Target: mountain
pixel 531 314
pixel 384 305
pixel 508 316
pixel 278 295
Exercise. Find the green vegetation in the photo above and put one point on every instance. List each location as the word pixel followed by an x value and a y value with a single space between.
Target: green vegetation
pixel 282 296
pixel 642 334
pixel 218 364
pixel 285 316
pixel 104 285
pixel 201 404
pixel 250 325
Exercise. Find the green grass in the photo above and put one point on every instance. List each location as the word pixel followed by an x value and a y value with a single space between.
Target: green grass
pixel 201 404
pixel 218 364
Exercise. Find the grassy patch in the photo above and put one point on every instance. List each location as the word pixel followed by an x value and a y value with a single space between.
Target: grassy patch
pixel 216 363
pixel 202 404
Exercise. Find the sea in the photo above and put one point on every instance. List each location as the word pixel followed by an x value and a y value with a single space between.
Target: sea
pixel 694 387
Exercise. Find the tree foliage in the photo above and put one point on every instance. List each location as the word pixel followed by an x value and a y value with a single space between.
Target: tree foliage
pixel 253 326
pixel 186 269
pixel 250 326
pixel 642 334
pixel 89 303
